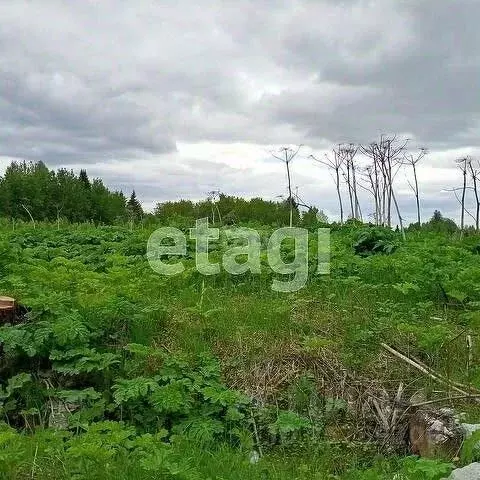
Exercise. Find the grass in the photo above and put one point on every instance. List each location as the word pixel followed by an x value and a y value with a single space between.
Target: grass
pixel 422 299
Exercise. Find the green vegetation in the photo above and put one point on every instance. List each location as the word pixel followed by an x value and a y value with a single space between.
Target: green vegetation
pixel 117 372
pixel 231 210
pixel 32 191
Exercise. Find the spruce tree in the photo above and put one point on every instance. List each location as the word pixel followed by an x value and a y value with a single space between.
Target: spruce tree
pixel 83 177
pixel 32 190
pixel 134 207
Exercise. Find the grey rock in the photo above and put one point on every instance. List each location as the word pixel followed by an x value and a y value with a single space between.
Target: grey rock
pixel 470 472
pixel 435 433
pixel 470 428
pixel 254 457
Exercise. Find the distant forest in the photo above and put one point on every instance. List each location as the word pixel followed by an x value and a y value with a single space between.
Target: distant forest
pixel 228 210
pixel 30 191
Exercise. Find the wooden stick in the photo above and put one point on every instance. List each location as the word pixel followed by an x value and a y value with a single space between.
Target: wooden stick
pixel 450 382
pixel 257 437
pixel 445 399
pixel 425 370
pixel 398 398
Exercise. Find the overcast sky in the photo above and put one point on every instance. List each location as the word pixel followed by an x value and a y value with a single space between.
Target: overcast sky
pixel 176 98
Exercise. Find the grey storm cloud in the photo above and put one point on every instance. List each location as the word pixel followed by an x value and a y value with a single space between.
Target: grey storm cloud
pixel 408 67
pixel 99 80
pixel 84 83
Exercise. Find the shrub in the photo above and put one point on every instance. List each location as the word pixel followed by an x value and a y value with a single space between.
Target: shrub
pixel 375 240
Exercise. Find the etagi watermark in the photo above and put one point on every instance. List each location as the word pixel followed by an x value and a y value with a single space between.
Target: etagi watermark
pixel 245 255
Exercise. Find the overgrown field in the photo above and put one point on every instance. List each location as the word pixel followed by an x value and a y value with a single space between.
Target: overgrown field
pixel 118 372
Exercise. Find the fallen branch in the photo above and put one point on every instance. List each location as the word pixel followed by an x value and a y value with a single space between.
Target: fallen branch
pixel 429 372
pixel 398 399
pixel 446 380
pixel 257 437
pixel 445 399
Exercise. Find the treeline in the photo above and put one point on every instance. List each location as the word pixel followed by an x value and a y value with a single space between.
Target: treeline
pixel 439 224
pixel 230 210
pixel 29 190
pixel 227 210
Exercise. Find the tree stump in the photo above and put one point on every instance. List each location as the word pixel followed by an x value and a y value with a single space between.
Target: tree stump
pixel 435 433
pixel 8 310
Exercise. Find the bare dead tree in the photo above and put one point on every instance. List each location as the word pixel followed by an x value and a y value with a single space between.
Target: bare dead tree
pixel 348 180
pixel 463 164
pixel 377 179
pixel 370 187
pixel 395 151
pixel 335 163
pixel 349 152
pixel 413 160
pixel 343 164
pixel 367 182
pixel 386 155
pixel 459 199
pixel 475 175
pixel 286 155
pixel 299 202
pixel 212 197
